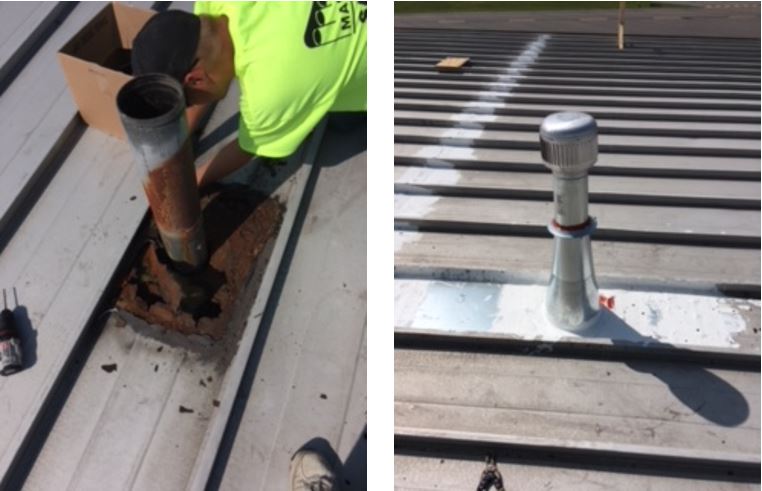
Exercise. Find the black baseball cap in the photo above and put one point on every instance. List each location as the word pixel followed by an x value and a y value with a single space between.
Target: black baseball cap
pixel 167 43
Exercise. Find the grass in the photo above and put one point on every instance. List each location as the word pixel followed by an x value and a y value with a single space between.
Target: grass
pixel 419 7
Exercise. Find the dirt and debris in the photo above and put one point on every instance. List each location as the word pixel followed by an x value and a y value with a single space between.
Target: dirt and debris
pixel 239 225
pixel 109 367
pixel 216 403
pixel 184 409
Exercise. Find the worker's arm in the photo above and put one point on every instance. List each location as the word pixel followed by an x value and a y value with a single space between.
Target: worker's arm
pixel 227 160
pixel 195 115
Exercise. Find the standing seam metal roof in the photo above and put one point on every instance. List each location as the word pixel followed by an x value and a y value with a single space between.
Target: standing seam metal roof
pixel 676 191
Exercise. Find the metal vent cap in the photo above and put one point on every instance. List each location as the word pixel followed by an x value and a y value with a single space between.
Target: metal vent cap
pixel 569 143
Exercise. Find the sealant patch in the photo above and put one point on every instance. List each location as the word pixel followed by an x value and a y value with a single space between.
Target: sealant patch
pixel 641 317
pixel 473 307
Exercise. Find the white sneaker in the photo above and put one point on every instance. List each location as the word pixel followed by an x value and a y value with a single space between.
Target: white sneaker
pixel 310 471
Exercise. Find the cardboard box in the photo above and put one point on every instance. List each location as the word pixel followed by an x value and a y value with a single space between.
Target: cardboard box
pixel 96 64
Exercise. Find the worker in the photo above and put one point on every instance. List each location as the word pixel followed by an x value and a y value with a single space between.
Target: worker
pixel 294 61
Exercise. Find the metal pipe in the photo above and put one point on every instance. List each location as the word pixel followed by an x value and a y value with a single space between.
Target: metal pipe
pixel 569 147
pixel 152 110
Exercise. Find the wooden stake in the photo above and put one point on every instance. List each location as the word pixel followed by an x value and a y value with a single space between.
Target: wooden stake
pixel 620 33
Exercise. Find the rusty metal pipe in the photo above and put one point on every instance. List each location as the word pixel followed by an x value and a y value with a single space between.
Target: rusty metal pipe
pixel 569 147
pixel 152 110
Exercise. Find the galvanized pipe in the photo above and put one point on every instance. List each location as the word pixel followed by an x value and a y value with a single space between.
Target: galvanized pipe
pixel 569 147
pixel 152 110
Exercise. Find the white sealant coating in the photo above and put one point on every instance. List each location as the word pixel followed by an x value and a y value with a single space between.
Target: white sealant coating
pixel 472 118
pixel 484 107
pixel 403 239
pixel 443 177
pixel 462 133
pixel 641 317
pixel 414 206
pixel 421 206
pixel 487 103
pixel 490 99
pixel 437 154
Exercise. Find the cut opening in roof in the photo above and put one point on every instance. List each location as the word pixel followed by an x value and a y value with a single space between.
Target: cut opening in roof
pixel 240 227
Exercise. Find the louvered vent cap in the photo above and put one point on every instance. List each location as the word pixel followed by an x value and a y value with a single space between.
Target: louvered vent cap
pixel 569 142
